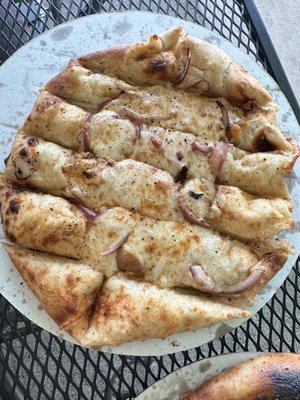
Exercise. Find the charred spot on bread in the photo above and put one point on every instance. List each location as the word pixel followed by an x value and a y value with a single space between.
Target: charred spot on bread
pixel 32 141
pixel 11 236
pixel 6 160
pixel 285 383
pixel 23 152
pixel 157 64
pixel 128 261
pixel 14 206
pixel 88 174
pixel 263 144
pixel 141 56
pixel 181 177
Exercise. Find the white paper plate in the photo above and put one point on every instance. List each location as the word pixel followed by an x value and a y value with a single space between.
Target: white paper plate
pixel 189 378
pixel 21 77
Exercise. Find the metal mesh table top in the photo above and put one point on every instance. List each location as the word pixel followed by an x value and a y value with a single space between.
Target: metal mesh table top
pixel 37 365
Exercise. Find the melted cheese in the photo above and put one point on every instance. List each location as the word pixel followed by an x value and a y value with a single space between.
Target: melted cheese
pixel 167 250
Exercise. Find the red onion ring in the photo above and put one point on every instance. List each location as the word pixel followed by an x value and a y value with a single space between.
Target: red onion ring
pixel 189 216
pixel 133 117
pixel 137 127
pixel 217 157
pixel 225 116
pixel 115 246
pixel 46 103
pixel 207 284
pixel 186 67
pixel 88 214
pixel 127 112
pixel 86 132
pixel 105 102
pixel 202 148
pixel 204 89
pixel 156 143
pixel 179 155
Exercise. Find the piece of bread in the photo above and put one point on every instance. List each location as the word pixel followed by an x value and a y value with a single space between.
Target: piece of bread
pixel 269 376
pixel 128 309
pixel 162 252
pixel 149 191
pixel 66 288
pixel 170 108
pixel 178 58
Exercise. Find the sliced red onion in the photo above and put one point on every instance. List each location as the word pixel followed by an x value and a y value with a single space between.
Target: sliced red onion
pixel 105 102
pixel 130 114
pixel 190 217
pixel 207 285
pixel 156 143
pixel 179 155
pixel 186 67
pixel 115 246
pixel 225 116
pixel 247 106
pixel 217 157
pixel 201 277
pixel 133 117
pixel 202 148
pixel 250 108
pixel 88 214
pixel 137 127
pixel 205 85
pixel 86 132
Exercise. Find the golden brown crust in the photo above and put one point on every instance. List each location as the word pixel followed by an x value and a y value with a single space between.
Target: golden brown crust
pixel 268 377
pixel 270 264
pixel 42 222
pixel 150 192
pixel 172 108
pixel 164 59
pixel 223 76
pixel 119 240
pixel 246 216
pixel 66 288
pixel 140 63
pixel 127 309
pixel 55 120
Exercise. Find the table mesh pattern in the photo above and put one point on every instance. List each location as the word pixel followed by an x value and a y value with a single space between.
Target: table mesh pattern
pixel 36 365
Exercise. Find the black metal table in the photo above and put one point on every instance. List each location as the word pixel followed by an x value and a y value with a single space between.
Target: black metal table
pixel 37 365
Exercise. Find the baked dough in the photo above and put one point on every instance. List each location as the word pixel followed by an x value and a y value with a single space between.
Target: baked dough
pixel 242 214
pixel 128 310
pixel 269 376
pixel 135 196
pixel 125 309
pixel 66 288
pixel 113 136
pixel 208 119
pixel 140 187
pixel 162 252
pixel 177 58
